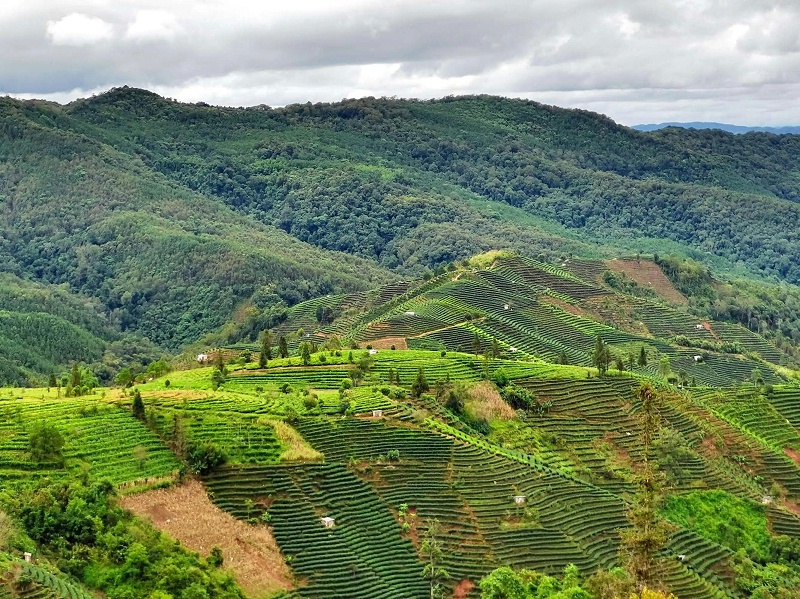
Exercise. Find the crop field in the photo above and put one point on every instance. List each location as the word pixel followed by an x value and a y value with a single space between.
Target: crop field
pixel 100 437
pixel 345 436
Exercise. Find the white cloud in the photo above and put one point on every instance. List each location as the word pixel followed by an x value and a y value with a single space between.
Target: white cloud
pixel 77 29
pixel 151 25
pixel 688 59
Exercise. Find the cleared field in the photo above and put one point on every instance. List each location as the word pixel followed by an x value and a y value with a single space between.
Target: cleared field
pixel 187 514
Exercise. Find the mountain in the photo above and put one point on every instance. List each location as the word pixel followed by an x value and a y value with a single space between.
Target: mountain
pixel 736 129
pixel 178 220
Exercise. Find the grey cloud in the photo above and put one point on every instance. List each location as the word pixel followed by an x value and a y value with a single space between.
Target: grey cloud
pixel 625 57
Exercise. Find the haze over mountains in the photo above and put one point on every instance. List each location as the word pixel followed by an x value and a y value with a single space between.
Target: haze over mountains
pixel 738 129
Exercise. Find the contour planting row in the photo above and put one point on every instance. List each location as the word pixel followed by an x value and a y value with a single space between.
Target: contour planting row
pixel 362 555
pixel 344 439
pixel 108 439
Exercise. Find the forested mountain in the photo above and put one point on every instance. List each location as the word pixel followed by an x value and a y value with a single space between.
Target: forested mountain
pixel 739 129
pixel 173 218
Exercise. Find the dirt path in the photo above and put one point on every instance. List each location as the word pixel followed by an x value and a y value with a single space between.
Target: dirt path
pixel 187 514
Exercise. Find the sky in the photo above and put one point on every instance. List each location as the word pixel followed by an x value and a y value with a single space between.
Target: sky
pixel 637 61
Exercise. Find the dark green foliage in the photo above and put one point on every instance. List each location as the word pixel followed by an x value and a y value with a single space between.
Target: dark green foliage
pixel 137 406
pixel 45 443
pixel 94 540
pixel 601 357
pixel 283 348
pixel 266 349
pixel 420 384
pixel 205 457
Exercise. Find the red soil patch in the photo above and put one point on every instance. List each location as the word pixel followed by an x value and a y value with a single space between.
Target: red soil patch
pixel 793 454
pixel 648 274
pixel 707 326
pixel 792 506
pixel 388 342
pixel 567 307
pixel 186 514
pixel 462 589
pixel 710 447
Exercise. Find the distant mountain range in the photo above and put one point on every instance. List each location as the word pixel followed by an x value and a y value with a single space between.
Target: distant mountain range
pixel 737 129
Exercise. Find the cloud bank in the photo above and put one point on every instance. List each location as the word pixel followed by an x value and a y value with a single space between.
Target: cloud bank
pixel 635 60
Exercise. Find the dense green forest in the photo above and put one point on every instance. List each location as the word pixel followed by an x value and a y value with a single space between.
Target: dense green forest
pixel 161 221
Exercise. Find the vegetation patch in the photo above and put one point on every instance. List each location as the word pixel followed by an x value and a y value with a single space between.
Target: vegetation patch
pixel 186 514
pixel 723 518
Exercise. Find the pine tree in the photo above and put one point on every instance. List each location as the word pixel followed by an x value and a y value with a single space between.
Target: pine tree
pixel 420 384
pixel 266 349
pixel 283 347
pixel 138 405
pixel 305 352
pixel 648 533
pixel 601 357
pixel 433 554
pixel 642 357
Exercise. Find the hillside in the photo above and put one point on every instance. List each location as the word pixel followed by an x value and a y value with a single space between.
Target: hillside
pixel 352 434
pixel 174 220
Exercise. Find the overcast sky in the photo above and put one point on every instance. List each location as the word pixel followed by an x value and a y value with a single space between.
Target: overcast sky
pixel 638 61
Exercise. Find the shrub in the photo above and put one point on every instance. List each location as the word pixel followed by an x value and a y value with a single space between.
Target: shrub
pixel 45 443
pixel 205 457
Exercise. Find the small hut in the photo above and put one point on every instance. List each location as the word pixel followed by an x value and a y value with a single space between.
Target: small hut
pixel 327 522
pixel 27 556
pixel 377 413
pixel 519 499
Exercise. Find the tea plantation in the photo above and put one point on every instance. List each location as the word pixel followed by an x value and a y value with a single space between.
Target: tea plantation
pixel 467 411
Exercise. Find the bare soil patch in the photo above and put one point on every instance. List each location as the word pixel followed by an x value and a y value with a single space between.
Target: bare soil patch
pixel 187 514
pixel 486 403
pixel 388 342
pixel 648 274
pixel 793 454
pixel 463 588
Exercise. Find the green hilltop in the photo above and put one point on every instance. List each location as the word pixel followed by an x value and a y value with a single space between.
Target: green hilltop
pixel 175 219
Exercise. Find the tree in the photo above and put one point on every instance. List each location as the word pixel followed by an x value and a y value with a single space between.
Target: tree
pixel 305 352
pixel 45 443
pixel 205 457
pixel 619 364
pixel 664 367
pixel 420 384
pixel 476 343
pixel 140 455
pixel 631 361
pixel 217 379
pixel 495 348
pixel 432 554
pixel 503 583
pixel 125 377
pixel 283 347
pixel 138 406
pixel 601 357
pixel 500 377
pixel 219 361
pixel 642 357
pixel 266 349
pixel 648 533
pixel 75 376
